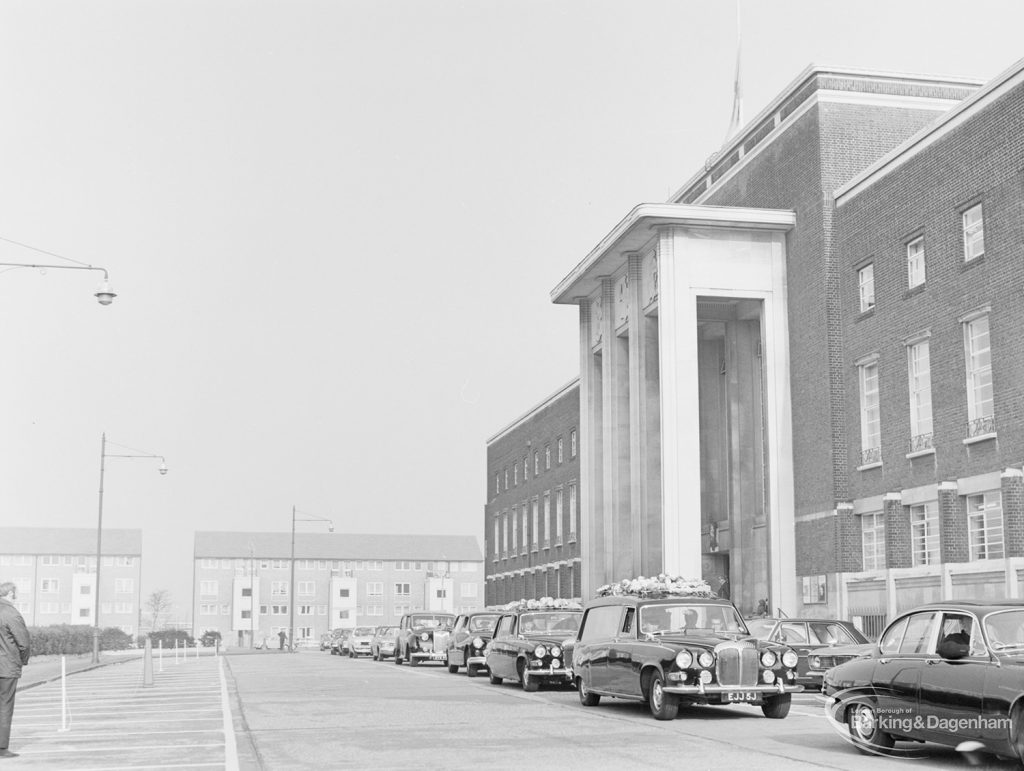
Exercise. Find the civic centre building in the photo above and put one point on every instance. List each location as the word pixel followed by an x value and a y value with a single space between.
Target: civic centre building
pixel 803 372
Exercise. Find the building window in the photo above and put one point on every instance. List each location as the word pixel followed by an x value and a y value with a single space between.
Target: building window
pixel 515 474
pixel 497 483
pixel 403 566
pixel 279 610
pixel 558 517
pixel 547 457
pixel 515 531
pixel 49 560
pixel 208 609
pixel 306 588
pixel 403 590
pixel 572 512
pixel 375 588
pixel 279 588
pixel 375 565
pixel 980 412
pixel 870 415
pixel 468 590
pixel 49 586
pixel 124 586
pixel 506 477
pixel 547 520
pixel 526 468
pixel 497 537
pixel 866 287
pixel 915 262
pixel 974 233
pixel 343 593
pixel 560 456
pixel 572 443
pixel 535 523
pixel 305 610
pixel 374 610
pixel 504 519
pixel 536 462
pixel 523 525
pixel 985 526
pixel 924 533
pixel 873 540
pixel 919 378
pixel 208 589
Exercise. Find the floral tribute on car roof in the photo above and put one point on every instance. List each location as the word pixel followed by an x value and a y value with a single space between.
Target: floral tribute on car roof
pixel 661 585
pixel 544 603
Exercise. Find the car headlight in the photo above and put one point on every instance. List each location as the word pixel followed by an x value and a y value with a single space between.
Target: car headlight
pixel 684 659
pixel 768 659
pixel 706 659
pixel 814 662
pixel 478 642
pixel 555 663
pixel 790 658
pixel 539 651
pixel 556 651
pixel 424 637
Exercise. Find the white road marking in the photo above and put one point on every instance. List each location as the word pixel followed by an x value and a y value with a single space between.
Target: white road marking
pixel 230 747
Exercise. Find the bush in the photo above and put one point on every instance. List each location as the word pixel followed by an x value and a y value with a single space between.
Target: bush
pixel 169 636
pixel 210 638
pixel 72 640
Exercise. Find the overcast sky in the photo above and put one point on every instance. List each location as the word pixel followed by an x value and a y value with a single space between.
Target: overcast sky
pixel 333 228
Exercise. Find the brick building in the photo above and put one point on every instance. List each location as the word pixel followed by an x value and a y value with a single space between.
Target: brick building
pixel 55 572
pixel 800 372
pixel 340 581
pixel 531 519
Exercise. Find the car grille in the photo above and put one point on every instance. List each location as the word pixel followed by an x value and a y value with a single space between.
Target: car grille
pixel 737 664
pixel 827 662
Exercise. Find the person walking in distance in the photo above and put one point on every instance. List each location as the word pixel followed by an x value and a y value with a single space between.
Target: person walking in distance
pixel 14 653
pixel 282 636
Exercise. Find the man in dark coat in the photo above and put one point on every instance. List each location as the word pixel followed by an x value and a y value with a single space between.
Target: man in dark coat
pixel 14 653
pixel 282 636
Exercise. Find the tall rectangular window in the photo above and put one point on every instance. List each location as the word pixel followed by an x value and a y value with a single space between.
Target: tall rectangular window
pixel 974 233
pixel 915 262
pixel 547 457
pixel 866 287
pixel 870 415
pixel 873 540
pixel 523 545
pixel 535 523
pixel 515 531
pixel 536 462
pixel 375 588
pixel 515 474
pixel 526 469
pixel 504 519
pixel 924 533
pixel 497 537
pixel 572 512
pixel 547 519
pixel 560 456
pixel 306 588
pixel 572 443
pixel 124 586
pixel 985 526
pixel 919 379
pixel 559 509
pixel 403 589
pixel 278 588
pixel 980 413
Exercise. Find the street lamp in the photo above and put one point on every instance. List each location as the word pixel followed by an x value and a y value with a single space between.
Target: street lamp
pixel 299 516
pixel 133 453
pixel 104 294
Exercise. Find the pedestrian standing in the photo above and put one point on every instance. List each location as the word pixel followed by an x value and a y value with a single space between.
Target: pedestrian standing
pixel 282 636
pixel 14 653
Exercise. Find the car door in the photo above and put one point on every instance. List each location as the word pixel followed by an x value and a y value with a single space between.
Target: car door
pixel 905 649
pixel 951 690
pixel 455 655
pixel 595 639
pixel 623 664
pixel 501 652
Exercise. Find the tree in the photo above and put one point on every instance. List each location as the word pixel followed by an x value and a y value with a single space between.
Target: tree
pixel 158 604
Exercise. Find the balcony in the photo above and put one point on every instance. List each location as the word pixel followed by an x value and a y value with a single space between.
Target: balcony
pixel 922 444
pixel 980 428
pixel 870 458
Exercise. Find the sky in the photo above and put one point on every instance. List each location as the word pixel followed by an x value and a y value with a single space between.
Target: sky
pixel 333 228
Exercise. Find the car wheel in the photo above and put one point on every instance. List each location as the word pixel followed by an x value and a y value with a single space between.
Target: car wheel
pixel 471 670
pixel 398 657
pixel 494 680
pixel 664 706
pixel 524 678
pixel 587 699
pixel 777 707
pixel 863 723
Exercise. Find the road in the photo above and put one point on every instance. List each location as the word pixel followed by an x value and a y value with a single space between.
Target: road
pixel 313 710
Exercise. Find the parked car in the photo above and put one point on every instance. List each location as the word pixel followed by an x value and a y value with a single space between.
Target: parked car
pixel 949 672
pixel 529 644
pixel 806 636
pixel 468 641
pixel 325 641
pixel 339 642
pixel 382 646
pixel 359 641
pixel 673 650
pixel 823 659
pixel 423 636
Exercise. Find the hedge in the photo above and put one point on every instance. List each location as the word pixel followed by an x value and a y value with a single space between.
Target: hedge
pixel 70 639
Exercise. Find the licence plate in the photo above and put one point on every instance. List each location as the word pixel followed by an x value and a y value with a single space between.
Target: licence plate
pixel 741 696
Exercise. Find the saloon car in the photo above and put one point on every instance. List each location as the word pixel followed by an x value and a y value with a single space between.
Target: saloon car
pixel 468 641
pixel 949 672
pixel 529 645
pixel 809 636
pixel 359 641
pixel 673 650
pixel 423 636
pixel 383 644
pixel 339 642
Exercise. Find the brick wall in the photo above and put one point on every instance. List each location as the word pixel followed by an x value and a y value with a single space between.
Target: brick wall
pixel 1012 489
pixel 952 525
pixel 897 533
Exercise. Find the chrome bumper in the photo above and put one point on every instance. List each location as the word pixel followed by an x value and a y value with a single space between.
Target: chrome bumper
pixel 480 661
pixel 701 689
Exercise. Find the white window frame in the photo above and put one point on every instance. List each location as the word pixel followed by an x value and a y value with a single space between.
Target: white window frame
pixel 870 413
pixel 374 588
pixel 279 589
pixel 920 386
pixel 985 533
pixel 572 443
pixel 915 262
pixel 124 586
pixel 497 537
pixel 49 586
pixel 873 540
pixel 573 494
pixel 515 532
pixel 924 533
pixel 559 513
pixel 403 589
pixel 866 287
pixel 535 512
pixel 978 361
pixel 208 589
pixel 973 222
pixel 306 588
pixel 547 519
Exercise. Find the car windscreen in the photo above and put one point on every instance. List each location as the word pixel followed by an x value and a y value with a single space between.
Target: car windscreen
pixel 549 622
pixel 431 622
pixel 761 628
pixel 690 618
pixel 1005 630
pixel 482 623
pixel 363 631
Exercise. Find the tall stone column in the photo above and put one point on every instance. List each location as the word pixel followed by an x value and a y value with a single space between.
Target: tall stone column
pixel 1012 489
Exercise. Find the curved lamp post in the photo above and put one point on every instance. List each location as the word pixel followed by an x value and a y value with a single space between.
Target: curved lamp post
pixel 103 293
pixel 132 453
pixel 299 516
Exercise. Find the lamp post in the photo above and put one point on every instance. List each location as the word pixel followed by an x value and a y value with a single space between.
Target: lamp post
pixel 104 294
pixel 252 595
pixel 99 529
pixel 298 516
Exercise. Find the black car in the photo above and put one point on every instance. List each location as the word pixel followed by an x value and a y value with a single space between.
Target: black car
pixel 672 650
pixel 531 643
pixel 813 639
pixel 423 636
pixel 468 641
pixel 948 672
